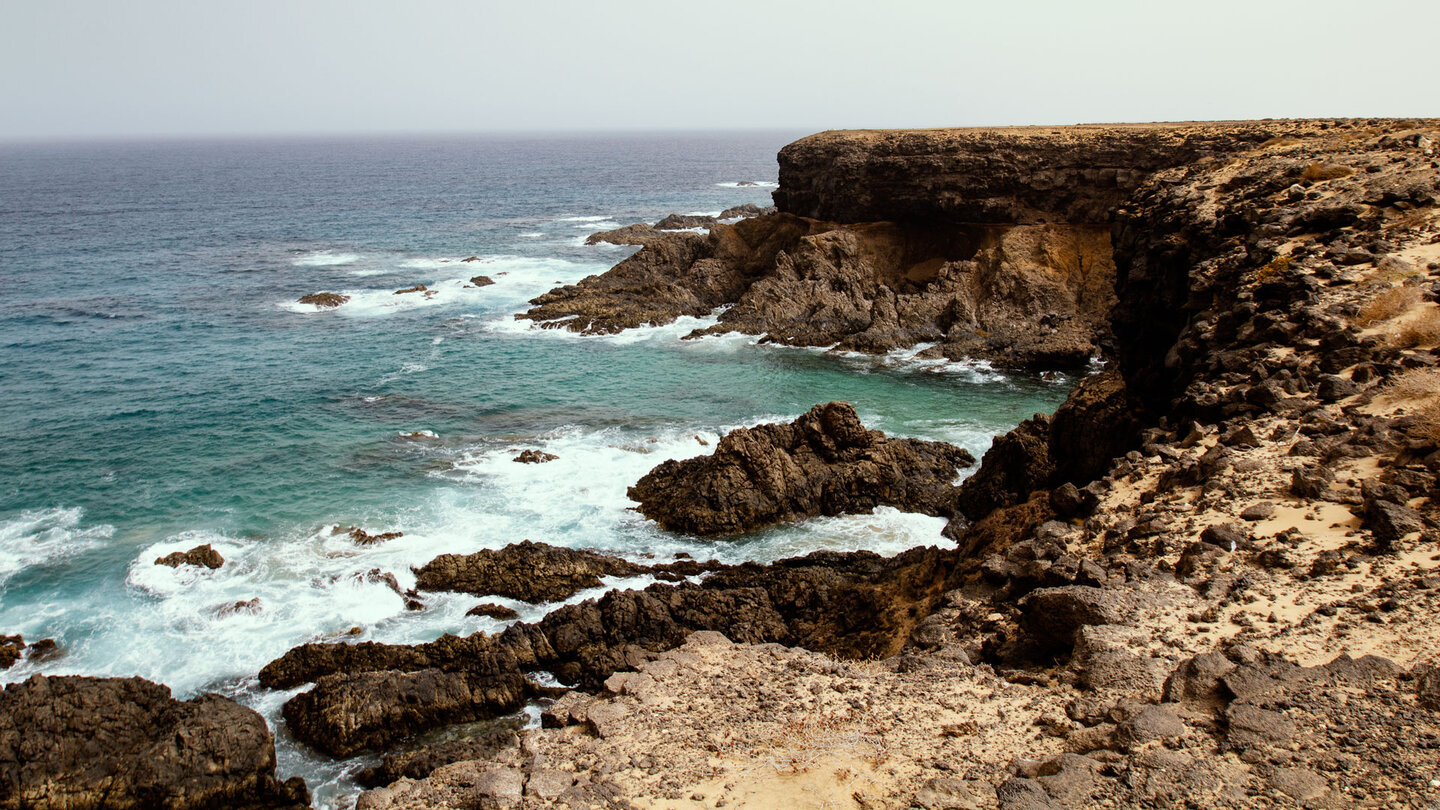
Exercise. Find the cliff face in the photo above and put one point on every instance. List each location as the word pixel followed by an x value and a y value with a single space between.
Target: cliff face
pixel 1075 175
pixel 1174 587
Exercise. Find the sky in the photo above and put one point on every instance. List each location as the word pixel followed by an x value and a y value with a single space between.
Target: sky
pixel 185 68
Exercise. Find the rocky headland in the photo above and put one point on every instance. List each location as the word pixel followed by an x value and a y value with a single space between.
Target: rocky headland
pixel 1210 579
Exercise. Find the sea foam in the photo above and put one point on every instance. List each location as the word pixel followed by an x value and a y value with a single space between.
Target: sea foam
pixel 45 536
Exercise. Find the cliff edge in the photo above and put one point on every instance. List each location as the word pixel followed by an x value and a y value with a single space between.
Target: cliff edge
pixel 1210 578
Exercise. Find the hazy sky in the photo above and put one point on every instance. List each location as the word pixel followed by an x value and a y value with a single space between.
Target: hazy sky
pixel 211 67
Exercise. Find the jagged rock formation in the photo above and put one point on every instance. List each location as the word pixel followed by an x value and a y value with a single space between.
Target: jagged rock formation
pixel 1031 296
pixel 370 695
pixel 530 572
pixel 824 463
pixel 71 742
pixel 1163 593
pixel 641 234
pixel 993 244
pixel 205 556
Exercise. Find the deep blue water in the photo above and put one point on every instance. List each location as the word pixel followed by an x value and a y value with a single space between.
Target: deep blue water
pixel 160 387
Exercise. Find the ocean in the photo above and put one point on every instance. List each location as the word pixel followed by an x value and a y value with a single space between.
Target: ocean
pixel 160 388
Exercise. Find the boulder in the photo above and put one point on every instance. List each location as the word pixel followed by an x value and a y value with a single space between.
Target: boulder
pixel 122 743
pixel 324 300
pixel 534 457
pixel 364 538
pixel 11 648
pixel 348 713
pixel 1054 616
pixel 205 556
pixel 482 281
pixel 530 572
pixel 824 463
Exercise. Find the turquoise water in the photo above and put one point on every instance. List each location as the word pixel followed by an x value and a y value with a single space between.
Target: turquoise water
pixel 160 388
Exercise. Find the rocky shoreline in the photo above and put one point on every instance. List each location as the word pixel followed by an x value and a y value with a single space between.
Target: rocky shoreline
pixel 1209 579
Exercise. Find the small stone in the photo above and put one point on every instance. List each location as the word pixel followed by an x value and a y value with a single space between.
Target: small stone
pixel 605 718
pixel 548 783
pixel 1225 536
pixel 1260 511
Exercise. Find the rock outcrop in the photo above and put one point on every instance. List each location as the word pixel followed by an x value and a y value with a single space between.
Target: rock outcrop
pixel 324 300
pixel 824 463
pixel 530 572
pixel 73 742
pixel 202 556
pixel 1032 296
pixel 371 695
pixel 1163 593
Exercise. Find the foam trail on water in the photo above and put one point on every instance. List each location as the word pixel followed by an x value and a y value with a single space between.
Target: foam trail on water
pixel 45 536
pixel 324 258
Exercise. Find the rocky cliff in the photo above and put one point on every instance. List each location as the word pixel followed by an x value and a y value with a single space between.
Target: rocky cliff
pixel 1157 594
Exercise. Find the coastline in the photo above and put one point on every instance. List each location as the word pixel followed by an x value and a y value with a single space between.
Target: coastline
pixel 1142 582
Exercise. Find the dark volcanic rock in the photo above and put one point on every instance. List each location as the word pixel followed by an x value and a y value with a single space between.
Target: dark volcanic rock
pixel 1029 296
pixel 345 714
pixel 125 743
pixel 204 555
pixel 532 572
pixel 324 300
pixel 1053 616
pixel 824 463
pixel 364 538
pixel 10 649
pixel 493 611
pixel 1016 464
pixel 419 763
pixel 856 605
pixel 533 456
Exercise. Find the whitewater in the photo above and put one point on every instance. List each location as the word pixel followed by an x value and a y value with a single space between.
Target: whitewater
pixel 161 388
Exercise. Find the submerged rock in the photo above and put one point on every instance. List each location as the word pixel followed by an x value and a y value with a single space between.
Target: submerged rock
pixel 824 463
pixel 205 555
pixel 364 538
pixel 126 743
pixel 416 288
pixel 493 611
